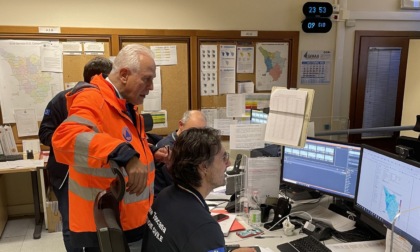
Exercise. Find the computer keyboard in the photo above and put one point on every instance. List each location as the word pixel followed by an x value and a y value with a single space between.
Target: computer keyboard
pixel 305 244
pixel 14 157
pixel 357 234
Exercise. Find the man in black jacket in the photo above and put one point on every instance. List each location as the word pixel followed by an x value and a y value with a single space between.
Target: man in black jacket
pixel 190 119
pixel 55 113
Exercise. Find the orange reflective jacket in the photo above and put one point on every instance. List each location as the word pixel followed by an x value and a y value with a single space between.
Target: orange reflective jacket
pixel 96 125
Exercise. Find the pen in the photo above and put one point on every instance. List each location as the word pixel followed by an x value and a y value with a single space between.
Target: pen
pixel 267 236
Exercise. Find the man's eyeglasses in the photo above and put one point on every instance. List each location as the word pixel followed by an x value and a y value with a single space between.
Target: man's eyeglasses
pixel 225 157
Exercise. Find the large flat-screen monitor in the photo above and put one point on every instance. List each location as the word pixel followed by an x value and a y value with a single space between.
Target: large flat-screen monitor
pixel 389 184
pixel 259 116
pixel 326 166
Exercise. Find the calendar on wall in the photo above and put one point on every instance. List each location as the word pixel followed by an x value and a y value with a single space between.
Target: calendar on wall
pixel 315 67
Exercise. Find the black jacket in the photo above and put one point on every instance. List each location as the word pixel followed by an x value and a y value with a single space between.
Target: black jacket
pixel 179 220
pixel 55 113
pixel 163 178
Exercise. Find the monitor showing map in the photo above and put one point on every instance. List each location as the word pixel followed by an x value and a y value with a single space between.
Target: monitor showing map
pixel 388 185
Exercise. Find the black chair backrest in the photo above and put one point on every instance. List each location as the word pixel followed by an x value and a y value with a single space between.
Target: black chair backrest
pixel 107 216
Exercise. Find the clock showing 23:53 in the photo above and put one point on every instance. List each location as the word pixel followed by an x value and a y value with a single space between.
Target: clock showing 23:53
pixel 317 17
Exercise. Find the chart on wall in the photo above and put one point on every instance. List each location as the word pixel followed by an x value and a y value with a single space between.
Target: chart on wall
pixel 271 65
pixel 30 75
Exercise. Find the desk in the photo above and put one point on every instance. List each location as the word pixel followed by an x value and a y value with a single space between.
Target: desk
pixel 27 166
pixel 270 243
pixel 279 237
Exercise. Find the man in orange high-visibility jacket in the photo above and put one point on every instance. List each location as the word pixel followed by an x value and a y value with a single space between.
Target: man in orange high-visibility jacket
pixel 103 125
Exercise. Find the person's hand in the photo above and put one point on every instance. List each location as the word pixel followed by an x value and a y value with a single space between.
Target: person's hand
pixel 137 176
pixel 162 155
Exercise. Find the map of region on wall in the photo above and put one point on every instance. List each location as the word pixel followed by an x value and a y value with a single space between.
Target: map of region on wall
pixel 23 84
pixel 271 65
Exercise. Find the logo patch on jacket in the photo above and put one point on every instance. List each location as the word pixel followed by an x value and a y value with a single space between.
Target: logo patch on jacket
pixel 47 112
pixel 127 134
pixel 222 249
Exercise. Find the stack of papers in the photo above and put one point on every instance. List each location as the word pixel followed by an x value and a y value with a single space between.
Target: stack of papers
pixel 364 246
pixel 332 219
pixel 27 163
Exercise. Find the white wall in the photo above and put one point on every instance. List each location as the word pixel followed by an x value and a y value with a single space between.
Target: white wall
pixel 223 15
pixel 411 107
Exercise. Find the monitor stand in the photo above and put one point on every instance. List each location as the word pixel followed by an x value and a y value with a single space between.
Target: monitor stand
pixel 297 194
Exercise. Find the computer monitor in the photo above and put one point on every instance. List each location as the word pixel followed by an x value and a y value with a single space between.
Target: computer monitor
pixel 408 147
pixel 326 166
pixel 259 116
pixel 389 184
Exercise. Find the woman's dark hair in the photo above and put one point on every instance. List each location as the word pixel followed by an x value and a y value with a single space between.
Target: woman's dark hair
pixel 193 147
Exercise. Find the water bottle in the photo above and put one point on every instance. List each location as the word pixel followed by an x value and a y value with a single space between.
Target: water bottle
pixel 254 216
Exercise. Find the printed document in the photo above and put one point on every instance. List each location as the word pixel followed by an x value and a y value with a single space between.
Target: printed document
pixel 289 116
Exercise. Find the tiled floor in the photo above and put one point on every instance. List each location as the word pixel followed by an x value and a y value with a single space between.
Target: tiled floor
pixel 18 237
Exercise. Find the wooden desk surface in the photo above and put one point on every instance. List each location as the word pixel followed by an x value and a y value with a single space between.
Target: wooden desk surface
pixel 20 166
pixel 16 170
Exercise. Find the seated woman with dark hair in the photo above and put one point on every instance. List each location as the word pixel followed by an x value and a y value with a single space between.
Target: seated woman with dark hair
pixel 179 219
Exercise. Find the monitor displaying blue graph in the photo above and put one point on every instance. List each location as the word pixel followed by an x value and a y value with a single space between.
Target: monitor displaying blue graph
pixel 388 185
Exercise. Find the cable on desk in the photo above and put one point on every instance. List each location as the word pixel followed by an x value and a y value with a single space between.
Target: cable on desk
pixel 290 215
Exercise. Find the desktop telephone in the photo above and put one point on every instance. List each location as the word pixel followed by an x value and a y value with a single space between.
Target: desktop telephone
pixel 230 207
pixel 321 231
pixel 236 166
pixel 281 210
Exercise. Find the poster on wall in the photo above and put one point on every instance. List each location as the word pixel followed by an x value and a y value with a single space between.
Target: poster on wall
pixel 271 65
pixel 315 67
pixel 208 70
pixel 23 84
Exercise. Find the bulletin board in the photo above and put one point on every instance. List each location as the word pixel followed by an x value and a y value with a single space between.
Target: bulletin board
pixel 72 65
pixel 180 82
pixel 249 39
pixel 175 80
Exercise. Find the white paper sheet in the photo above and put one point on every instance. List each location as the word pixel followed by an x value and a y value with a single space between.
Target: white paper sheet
pixel 286 117
pixel 235 105
pixel 165 55
pixel 263 174
pixel 26 122
pixel 246 136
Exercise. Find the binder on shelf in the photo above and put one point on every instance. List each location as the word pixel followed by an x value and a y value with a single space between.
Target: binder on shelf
pixel 288 119
pixel 8 140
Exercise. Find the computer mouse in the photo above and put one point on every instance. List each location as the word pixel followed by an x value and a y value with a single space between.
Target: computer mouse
pixel 322 233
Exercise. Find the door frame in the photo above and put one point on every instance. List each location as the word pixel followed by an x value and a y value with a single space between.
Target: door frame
pixel 364 40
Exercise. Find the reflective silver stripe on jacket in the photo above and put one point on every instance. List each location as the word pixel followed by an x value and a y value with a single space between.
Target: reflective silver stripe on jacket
pixel 89 193
pixel 131 198
pixel 81 158
pixel 151 166
pixel 83 192
pixel 83 121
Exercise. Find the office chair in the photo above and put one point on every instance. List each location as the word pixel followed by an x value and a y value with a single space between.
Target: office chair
pixel 107 216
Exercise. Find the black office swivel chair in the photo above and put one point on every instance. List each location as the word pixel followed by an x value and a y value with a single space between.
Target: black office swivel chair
pixel 107 216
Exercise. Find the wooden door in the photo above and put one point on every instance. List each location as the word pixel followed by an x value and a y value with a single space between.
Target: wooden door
pixel 379 68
